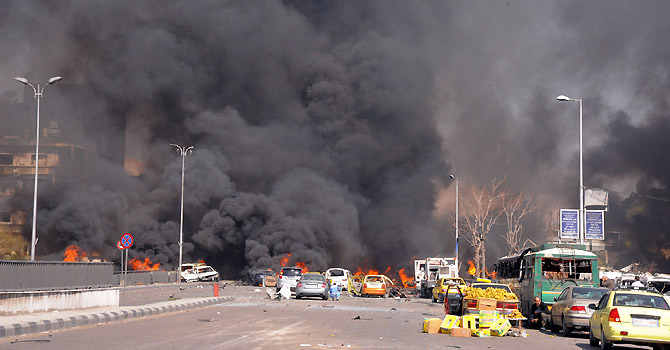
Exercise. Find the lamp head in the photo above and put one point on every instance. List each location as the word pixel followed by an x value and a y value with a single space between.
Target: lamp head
pixel 21 80
pixel 563 98
pixel 452 176
pixel 54 80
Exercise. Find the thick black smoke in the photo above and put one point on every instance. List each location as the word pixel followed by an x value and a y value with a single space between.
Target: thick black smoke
pixel 323 129
pixel 308 140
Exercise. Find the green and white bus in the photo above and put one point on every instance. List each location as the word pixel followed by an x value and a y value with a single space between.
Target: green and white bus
pixel 545 270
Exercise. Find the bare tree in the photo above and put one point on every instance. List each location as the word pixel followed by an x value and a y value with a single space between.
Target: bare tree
pixel 480 213
pixel 551 217
pixel 515 208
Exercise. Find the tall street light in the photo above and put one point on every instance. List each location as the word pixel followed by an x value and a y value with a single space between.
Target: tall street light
pixel 38 95
pixel 183 151
pixel 455 178
pixel 581 168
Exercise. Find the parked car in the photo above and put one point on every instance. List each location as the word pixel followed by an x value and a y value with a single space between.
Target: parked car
pixel 375 285
pixel 201 273
pixel 571 310
pixel 312 284
pixel 630 316
pixel 440 290
pixel 338 276
pixel 289 276
pixel 256 277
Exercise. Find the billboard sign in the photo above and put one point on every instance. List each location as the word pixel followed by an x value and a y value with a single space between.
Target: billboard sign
pixel 595 224
pixel 569 224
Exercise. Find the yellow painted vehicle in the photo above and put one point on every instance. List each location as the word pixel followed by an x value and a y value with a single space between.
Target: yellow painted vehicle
pixel 440 290
pixel 630 316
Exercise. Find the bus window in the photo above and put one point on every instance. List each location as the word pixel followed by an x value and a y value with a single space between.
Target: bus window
pixel 561 269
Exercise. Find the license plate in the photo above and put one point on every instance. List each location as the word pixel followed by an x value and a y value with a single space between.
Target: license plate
pixel 644 322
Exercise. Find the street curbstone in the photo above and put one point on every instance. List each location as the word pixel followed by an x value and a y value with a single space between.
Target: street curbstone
pixel 58 323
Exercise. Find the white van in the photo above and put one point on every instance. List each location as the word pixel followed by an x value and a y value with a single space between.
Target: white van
pixel 339 276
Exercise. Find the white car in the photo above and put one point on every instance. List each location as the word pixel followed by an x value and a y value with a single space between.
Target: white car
pixel 339 276
pixel 200 273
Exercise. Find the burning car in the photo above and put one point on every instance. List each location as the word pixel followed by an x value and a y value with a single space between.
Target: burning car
pixel 201 273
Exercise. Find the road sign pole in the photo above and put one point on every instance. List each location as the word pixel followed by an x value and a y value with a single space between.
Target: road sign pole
pixel 125 272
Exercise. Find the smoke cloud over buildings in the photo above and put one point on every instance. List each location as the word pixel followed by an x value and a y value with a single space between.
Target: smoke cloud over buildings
pixel 326 129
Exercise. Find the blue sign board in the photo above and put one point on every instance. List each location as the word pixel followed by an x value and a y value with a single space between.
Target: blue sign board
pixel 569 224
pixel 595 224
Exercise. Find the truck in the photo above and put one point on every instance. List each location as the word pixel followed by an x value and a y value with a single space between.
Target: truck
pixel 427 272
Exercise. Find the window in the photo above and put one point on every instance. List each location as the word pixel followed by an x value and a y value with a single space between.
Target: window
pixel 6 159
pixel 603 301
pixel 563 295
pixel 560 269
pixel 588 293
pixel 312 277
pixel 640 300
pixel 291 272
pixel 43 159
pixel 337 272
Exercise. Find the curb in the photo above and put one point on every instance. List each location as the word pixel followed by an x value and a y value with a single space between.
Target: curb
pixel 123 313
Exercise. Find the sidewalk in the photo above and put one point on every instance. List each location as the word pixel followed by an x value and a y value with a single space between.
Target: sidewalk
pixel 49 321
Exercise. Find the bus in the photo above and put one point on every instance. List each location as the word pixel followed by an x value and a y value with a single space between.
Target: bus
pixel 545 270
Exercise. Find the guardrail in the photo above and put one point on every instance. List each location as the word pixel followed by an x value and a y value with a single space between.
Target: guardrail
pixel 54 275
pixel 145 277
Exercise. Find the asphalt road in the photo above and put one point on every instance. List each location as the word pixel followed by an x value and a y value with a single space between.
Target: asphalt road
pixel 252 321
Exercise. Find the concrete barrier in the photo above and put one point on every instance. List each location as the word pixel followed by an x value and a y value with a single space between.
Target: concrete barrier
pixel 12 303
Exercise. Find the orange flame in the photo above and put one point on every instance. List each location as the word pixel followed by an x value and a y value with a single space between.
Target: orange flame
pixel 404 278
pixel 302 266
pixel 490 274
pixel 472 270
pixel 284 260
pixel 73 253
pixel 146 265
pixel 201 261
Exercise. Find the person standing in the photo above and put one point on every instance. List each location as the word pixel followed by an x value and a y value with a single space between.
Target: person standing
pixel 539 314
pixel 637 282
pixel 608 283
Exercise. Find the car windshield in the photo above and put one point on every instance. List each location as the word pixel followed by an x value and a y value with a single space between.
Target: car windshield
pixel 291 272
pixel 374 279
pixel 205 269
pixel 640 300
pixel 312 277
pixel 588 293
pixel 337 272
pixel 495 286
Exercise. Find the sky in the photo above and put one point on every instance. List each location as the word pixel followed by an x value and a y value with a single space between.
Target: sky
pixel 328 130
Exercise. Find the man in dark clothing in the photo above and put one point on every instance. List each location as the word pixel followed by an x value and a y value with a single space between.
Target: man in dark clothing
pixel 608 283
pixel 539 314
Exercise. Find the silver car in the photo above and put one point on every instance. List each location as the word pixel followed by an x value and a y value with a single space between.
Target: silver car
pixel 571 310
pixel 312 285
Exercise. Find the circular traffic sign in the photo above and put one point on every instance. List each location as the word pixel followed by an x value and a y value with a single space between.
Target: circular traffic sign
pixel 127 240
pixel 119 245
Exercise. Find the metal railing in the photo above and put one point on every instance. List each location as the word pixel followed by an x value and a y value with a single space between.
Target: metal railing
pixel 54 275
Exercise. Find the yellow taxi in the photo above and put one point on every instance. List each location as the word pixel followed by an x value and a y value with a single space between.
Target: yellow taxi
pixel 440 290
pixel 375 285
pixel 632 316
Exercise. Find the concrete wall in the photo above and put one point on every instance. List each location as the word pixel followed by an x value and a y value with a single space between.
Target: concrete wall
pixel 12 303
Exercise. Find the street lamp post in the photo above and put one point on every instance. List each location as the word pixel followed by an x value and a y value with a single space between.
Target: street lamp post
pixel 581 169
pixel 38 95
pixel 455 178
pixel 183 151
